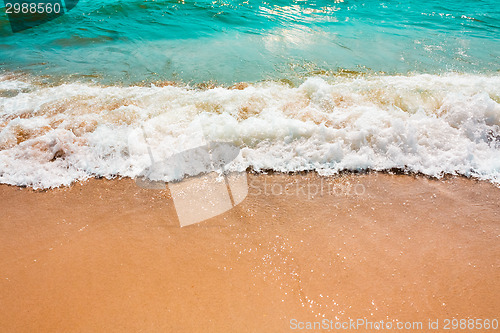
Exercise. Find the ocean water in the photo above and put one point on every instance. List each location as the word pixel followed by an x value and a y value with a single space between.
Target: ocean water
pixel 329 86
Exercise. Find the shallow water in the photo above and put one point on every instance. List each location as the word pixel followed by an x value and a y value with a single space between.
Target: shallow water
pixel 344 85
pixel 233 41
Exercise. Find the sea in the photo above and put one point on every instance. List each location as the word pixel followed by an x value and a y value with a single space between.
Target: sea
pixel 325 86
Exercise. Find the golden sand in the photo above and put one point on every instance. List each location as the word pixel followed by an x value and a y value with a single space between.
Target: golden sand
pixel 109 256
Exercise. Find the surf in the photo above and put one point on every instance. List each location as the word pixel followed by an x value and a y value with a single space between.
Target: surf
pixel 54 135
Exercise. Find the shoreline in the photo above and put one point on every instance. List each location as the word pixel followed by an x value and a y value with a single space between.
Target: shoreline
pixel 109 255
pixel 270 172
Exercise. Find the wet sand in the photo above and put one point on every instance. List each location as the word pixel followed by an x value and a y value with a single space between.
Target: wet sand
pixel 110 256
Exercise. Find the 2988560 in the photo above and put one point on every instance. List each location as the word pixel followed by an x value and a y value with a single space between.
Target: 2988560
pixel 32 8
pixel 470 324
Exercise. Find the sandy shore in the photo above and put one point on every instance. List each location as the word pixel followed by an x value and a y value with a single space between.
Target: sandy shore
pixel 110 256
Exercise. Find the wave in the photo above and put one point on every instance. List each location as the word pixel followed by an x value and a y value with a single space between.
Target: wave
pixel 54 135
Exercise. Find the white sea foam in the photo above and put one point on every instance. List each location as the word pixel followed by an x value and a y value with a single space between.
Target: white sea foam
pixel 433 124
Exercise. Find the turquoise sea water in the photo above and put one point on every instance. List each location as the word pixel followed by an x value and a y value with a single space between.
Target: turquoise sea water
pixel 329 86
pixel 130 41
